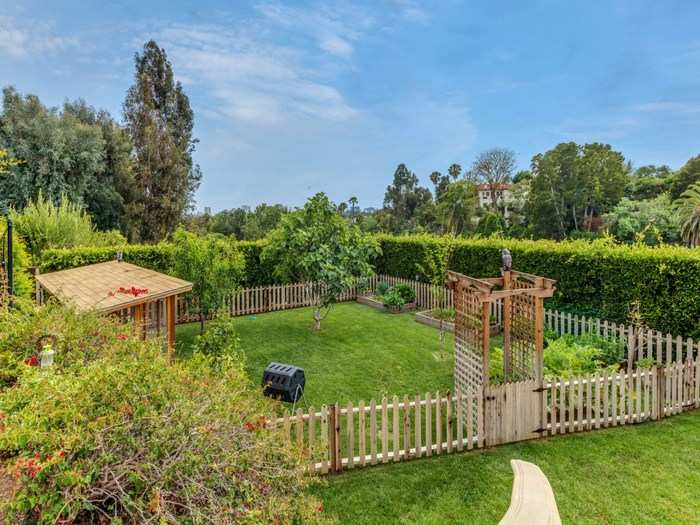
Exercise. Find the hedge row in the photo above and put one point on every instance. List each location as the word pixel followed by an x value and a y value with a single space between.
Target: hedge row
pixel 158 257
pixel 659 286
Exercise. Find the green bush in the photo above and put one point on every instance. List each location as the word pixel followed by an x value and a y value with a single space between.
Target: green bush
pixel 406 292
pixel 131 437
pixel 382 288
pixel 42 224
pixel 660 283
pixel 22 281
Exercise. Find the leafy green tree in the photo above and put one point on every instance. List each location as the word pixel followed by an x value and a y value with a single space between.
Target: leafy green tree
pixel 6 162
pixel 402 198
pixel 159 120
pixel 572 184
pixel 491 223
pixel 58 153
pixel 316 245
pixel 454 171
pixel 230 222
pixel 686 176
pixel 650 221
pixel 214 267
pixel 352 201
pixel 440 183
pixel 688 206
pixel 648 182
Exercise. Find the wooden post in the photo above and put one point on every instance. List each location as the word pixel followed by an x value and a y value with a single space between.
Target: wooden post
pixel 660 391
pixel 171 313
pixel 507 321
pixel 486 341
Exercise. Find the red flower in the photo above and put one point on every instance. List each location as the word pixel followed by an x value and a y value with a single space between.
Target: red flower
pixel 122 337
pixel 319 508
pixel 61 454
pixel 32 361
pixel 250 426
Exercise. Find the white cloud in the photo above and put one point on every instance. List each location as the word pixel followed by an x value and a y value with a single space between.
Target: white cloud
pixel 20 40
pixel 667 107
pixel 253 78
pixel 412 10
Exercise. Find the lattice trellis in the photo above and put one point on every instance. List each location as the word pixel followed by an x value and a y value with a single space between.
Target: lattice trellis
pixel 523 325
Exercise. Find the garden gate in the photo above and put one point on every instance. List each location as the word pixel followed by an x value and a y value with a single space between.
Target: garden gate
pixel 514 410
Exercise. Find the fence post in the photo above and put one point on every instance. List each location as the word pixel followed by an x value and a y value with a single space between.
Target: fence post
pixel 334 441
pixel 660 391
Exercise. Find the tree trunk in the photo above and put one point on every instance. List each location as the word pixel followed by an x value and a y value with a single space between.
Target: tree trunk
pixel 201 323
pixel 317 319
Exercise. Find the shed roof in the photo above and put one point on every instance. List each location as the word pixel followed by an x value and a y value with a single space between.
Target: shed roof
pixel 96 286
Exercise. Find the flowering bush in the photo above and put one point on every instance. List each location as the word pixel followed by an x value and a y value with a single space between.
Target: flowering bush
pixel 79 337
pixel 131 437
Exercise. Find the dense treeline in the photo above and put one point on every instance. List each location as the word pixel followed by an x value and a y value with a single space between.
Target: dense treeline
pixel 118 173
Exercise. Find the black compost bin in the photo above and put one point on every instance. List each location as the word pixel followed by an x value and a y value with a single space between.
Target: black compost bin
pixel 285 382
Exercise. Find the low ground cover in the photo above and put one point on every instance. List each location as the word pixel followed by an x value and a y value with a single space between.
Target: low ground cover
pixel 634 474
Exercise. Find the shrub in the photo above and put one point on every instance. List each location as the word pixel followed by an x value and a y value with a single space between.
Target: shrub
pixel 77 338
pixel 44 225
pixel 20 257
pixel 382 288
pixel 131 437
pixel 220 340
pixel 406 292
pixel 393 298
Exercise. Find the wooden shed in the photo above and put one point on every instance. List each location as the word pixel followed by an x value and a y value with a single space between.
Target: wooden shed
pixel 130 292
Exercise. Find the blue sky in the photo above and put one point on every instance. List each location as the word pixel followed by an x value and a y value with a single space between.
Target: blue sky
pixel 292 98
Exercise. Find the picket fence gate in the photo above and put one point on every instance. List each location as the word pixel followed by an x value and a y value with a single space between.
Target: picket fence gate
pixel 353 435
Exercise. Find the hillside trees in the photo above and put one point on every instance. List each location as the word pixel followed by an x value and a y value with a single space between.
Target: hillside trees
pixel 571 184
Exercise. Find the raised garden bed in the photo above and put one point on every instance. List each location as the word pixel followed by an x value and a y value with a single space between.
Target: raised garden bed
pixel 371 300
pixel 426 317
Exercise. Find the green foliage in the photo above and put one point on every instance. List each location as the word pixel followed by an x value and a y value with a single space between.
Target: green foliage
pixel 490 224
pixel 403 198
pixel 159 120
pixel 393 298
pixel 159 257
pixel 456 207
pixel 315 244
pixel 211 264
pixel 246 224
pixel 652 221
pixel 44 225
pixel 688 175
pixel 689 213
pixel 601 276
pixel 220 340
pixel 23 286
pixel 135 437
pixel 571 184
pixel 649 182
pixel 406 292
pixel 571 355
pixel 382 288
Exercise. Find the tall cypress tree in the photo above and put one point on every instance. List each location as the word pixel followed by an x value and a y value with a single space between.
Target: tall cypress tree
pixel 159 119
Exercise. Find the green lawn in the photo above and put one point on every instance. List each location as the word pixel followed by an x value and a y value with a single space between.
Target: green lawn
pixel 647 473
pixel 360 352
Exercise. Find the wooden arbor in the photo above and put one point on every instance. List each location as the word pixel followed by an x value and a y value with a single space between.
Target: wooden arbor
pixel 522 296
pixel 127 291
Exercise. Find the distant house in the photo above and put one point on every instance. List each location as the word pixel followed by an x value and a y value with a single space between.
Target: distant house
pixel 503 194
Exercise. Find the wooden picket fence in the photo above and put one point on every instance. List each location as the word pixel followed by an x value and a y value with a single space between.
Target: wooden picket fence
pixel 355 435
pixel 338 438
pixel 639 341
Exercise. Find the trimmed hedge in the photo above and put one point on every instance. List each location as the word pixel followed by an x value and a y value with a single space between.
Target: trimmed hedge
pixel 157 257
pixel 659 286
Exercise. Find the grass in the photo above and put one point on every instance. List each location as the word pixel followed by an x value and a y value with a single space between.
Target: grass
pixel 638 474
pixel 359 353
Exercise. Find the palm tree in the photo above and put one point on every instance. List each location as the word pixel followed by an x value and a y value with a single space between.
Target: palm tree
pixel 688 206
pixel 353 205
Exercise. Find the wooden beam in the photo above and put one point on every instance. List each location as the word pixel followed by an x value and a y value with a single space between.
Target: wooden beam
pixel 485 339
pixel 507 322
pixel 171 313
